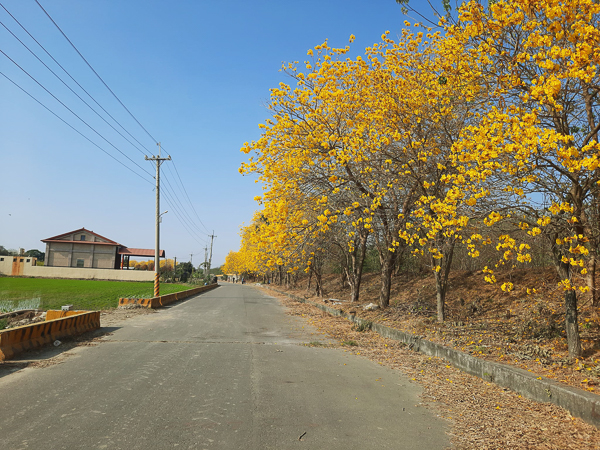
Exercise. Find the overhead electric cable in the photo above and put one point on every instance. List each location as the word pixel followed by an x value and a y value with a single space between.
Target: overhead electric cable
pixel 188 197
pixel 72 112
pixel 182 210
pixel 184 190
pixel 73 128
pixel 176 198
pixel 190 203
pixel 177 215
pixel 69 87
pixel 74 80
pixel 116 97
pixel 96 73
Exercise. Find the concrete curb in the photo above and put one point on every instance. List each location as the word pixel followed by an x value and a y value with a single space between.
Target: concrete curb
pixel 163 300
pixel 579 403
pixel 54 314
pixel 20 339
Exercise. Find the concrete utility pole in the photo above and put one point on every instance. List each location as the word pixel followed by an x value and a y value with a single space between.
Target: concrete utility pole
pixel 205 259
pixel 212 236
pixel 159 161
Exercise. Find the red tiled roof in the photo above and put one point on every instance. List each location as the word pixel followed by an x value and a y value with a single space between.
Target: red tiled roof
pixel 57 238
pixel 82 242
pixel 122 249
pixel 139 252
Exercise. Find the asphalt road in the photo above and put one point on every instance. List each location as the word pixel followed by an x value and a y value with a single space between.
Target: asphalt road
pixel 223 370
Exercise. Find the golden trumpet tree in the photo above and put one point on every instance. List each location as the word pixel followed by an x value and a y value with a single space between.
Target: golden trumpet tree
pixel 309 149
pixel 324 144
pixel 271 242
pixel 232 263
pixel 539 60
pixel 363 145
pixel 427 124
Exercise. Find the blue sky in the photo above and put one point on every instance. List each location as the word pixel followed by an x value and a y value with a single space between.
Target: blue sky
pixel 195 74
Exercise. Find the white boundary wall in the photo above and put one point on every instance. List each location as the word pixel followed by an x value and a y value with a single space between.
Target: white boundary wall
pixel 77 272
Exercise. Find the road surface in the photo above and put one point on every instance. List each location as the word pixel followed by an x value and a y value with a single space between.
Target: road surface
pixel 227 369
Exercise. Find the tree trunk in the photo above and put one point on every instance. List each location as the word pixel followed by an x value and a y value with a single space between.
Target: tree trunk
pixel 441 298
pixel 571 323
pixel 310 274
pixel 343 278
pixel 591 279
pixel 353 276
pixel 441 280
pixel 387 269
pixel 318 285
pixel 399 260
pixel 357 269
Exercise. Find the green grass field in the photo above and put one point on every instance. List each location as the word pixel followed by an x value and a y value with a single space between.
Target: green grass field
pixel 23 293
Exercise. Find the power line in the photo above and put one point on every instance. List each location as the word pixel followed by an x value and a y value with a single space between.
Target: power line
pixel 73 128
pixel 182 218
pixel 75 81
pixel 184 213
pixel 119 100
pixel 69 87
pixel 178 216
pixel 191 220
pixel 96 73
pixel 72 112
pixel 188 197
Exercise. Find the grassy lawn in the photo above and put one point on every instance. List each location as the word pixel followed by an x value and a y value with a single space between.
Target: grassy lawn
pixel 22 293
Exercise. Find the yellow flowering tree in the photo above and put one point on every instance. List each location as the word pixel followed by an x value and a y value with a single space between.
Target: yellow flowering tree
pixel 349 148
pixel 540 141
pixel 427 123
pixel 322 144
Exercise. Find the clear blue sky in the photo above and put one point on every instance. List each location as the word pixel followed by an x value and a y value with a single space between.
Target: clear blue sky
pixel 196 74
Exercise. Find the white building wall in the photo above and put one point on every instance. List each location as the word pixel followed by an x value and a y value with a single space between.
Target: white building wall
pixel 77 273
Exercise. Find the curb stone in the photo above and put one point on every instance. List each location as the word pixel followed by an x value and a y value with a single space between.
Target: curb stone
pixel 579 403
pixel 164 300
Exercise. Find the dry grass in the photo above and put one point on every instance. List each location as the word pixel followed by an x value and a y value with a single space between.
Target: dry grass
pixel 482 415
pixel 514 328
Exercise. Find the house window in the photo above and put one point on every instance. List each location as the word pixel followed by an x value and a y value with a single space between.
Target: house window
pixel 82 238
pixel 80 263
pixel 1 259
pixel 21 260
pixel 28 260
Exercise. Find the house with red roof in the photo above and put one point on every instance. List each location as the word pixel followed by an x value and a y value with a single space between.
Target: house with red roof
pixel 85 249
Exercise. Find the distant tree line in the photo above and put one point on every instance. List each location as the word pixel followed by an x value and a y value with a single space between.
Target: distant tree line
pixel 34 253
